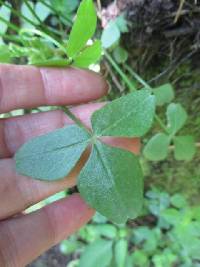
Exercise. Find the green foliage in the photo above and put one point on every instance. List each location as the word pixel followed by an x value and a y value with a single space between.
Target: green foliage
pixel 169 238
pixel 52 156
pixel 131 115
pixel 176 117
pixel 102 183
pixel 98 254
pixel 184 147
pixel 157 147
pixel 83 29
pixel 112 32
pixel 89 55
pixel 120 54
pixel 164 94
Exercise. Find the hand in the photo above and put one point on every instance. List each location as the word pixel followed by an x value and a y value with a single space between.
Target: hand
pixel 24 237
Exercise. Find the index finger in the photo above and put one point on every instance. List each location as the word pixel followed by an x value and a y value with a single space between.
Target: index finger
pixel 29 87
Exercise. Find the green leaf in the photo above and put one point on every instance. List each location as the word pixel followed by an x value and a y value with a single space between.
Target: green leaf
pixel 5 55
pixel 83 29
pixel 112 183
pixel 121 251
pixel 164 94
pixel 89 55
pixel 178 201
pixel 5 13
pixel 120 54
pixel 97 254
pixel 128 116
pixel 111 35
pixel 184 147
pixel 52 156
pixel 157 147
pixel 176 116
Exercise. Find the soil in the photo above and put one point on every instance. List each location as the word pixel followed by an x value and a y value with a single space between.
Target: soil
pixel 52 258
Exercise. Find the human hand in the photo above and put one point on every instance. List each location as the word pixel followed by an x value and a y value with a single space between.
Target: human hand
pixel 23 237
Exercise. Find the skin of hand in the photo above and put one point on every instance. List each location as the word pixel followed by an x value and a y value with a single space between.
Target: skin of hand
pixel 23 237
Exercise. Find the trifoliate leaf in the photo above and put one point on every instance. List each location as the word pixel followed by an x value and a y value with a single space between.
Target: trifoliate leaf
pixel 52 156
pixel 184 147
pixel 111 35
pixel 164 94
pixel 157 147
pixel 83 29
pixel 128 116
pixel 97 254
pixel 89 55
pixel 112 183
pixel 176 116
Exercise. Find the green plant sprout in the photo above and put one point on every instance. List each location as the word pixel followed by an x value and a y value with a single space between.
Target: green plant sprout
pixel 111 180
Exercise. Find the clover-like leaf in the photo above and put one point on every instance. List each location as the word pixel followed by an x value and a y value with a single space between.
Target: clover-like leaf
pixel 157 147
pixel 184 147
pixel 112 182
pixel 176 116
pixel 83 29
pixel 164 94
pixel 89 55
pixel 52 156
pixel 128 116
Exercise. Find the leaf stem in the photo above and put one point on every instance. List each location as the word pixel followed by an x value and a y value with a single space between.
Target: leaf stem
pixel 74 118
pixel 120 72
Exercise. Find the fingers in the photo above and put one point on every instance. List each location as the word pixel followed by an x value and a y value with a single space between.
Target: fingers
pixel 28 87
pixel 24 238
pixel 15 131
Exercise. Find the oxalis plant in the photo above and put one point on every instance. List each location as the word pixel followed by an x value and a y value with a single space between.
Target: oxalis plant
pixel 111 180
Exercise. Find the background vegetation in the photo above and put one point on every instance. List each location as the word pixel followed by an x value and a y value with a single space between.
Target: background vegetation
pixel 159 41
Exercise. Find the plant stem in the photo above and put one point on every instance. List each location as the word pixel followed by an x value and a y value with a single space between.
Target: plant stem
pixel 55 11
pixel 74 118
pixel 137 77
pixel 120 72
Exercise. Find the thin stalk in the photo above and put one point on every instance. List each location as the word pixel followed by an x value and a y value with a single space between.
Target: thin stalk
pixel 32 11
pixel 19 14
pixel 137 77
pixel 120 72
pixel 45 36
pixel 74 118
pixel 55 11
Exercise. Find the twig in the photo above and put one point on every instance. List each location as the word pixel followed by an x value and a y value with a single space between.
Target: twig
pixel 179 11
